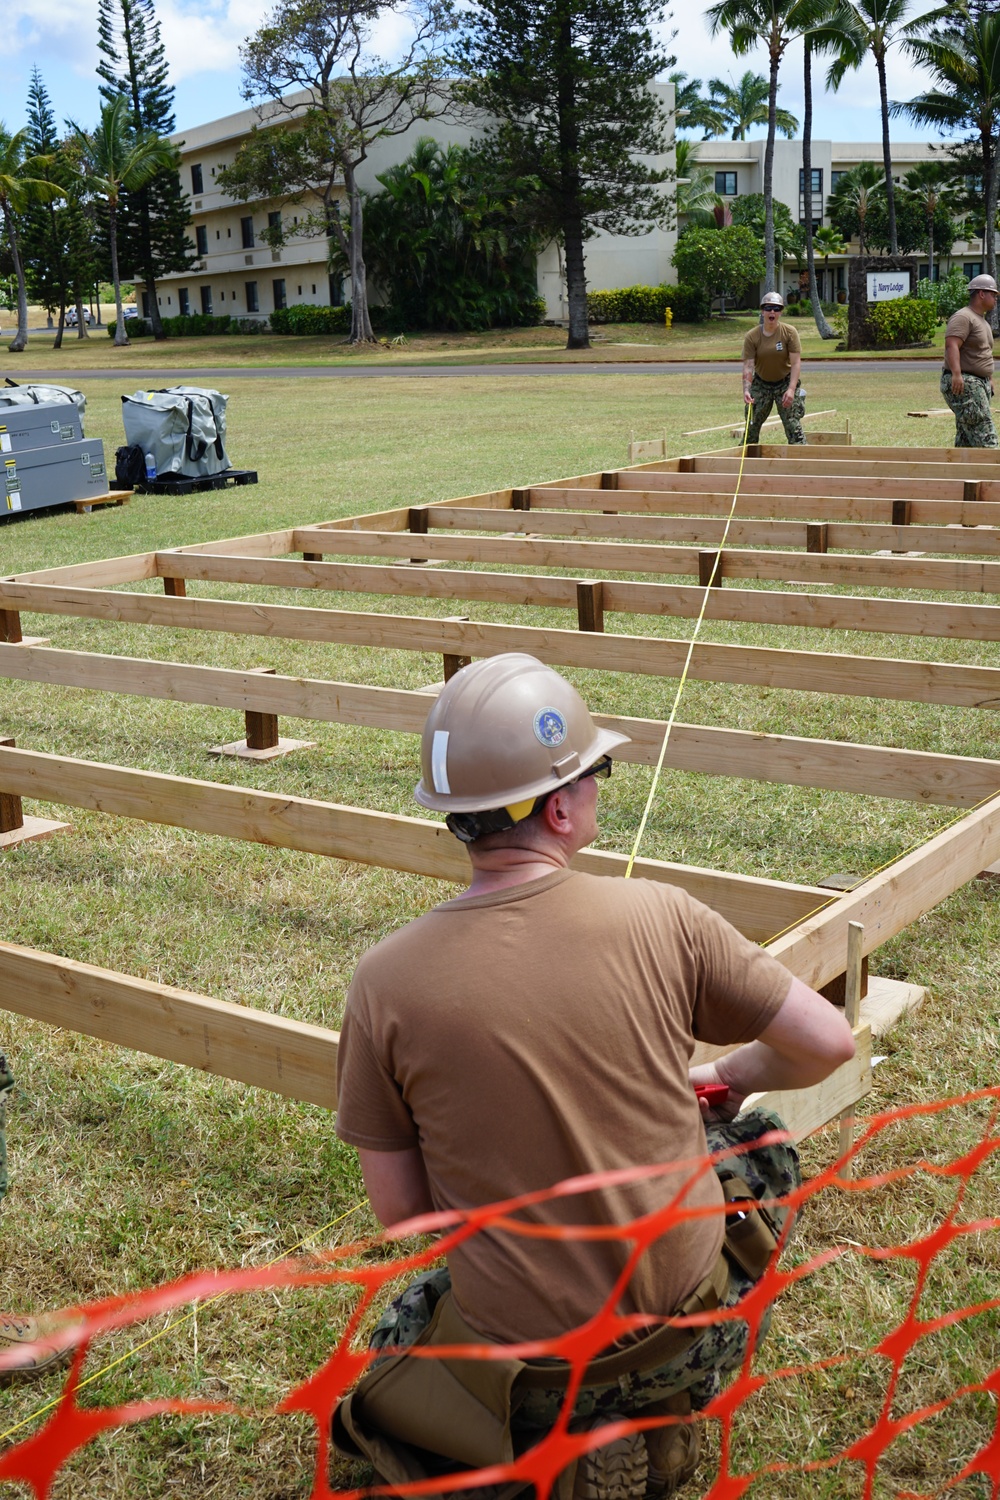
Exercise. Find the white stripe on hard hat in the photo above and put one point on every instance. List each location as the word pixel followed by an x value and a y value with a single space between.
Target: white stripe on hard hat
pixel 439 762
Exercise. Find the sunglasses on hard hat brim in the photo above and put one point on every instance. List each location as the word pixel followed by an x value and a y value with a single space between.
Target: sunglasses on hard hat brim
pixel 471 826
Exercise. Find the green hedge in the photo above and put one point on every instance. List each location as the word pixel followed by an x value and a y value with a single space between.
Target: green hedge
pixel 905 320
pixel 186 325
pixel 303 318
pixel 648 304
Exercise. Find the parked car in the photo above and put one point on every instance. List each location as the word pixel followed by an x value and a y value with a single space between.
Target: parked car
pixel 130 312
pixel 88 317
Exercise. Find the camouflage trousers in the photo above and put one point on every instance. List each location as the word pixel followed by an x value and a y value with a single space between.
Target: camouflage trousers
pixel 6 1084
pixel 763 395
pixel 769 1171
pixel 973 419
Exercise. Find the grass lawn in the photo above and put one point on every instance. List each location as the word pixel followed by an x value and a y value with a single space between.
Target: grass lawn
pixel 127 1171
pixel 718 339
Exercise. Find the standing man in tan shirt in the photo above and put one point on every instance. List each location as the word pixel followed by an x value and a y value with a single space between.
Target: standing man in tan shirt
pixel 772 361
pixel 967 377
pixel 538 1028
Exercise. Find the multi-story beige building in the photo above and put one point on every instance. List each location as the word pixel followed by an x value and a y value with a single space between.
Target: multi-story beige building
pixel 738 168
pixel 235 273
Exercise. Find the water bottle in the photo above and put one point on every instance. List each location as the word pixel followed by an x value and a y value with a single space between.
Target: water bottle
pixel 150 466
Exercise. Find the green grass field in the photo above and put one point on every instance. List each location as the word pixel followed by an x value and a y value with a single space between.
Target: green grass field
pixel 127 1171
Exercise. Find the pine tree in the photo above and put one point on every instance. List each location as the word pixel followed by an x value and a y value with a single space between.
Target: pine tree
pixel 152 222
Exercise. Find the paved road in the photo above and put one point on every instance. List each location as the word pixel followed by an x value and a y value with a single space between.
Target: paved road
pixel 136 377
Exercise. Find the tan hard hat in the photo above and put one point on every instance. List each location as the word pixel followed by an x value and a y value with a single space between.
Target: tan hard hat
pixel 772 299
pixel 504 731
pixel 982 284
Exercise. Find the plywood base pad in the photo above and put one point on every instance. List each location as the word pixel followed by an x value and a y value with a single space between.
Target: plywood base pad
pixel 31 828
pixel 242 749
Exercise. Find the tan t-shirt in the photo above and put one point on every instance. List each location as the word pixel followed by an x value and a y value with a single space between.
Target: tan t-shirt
pixel 528 1036
pixel 772 357
pixel 976 353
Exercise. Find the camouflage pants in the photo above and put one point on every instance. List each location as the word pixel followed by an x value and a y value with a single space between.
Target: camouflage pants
pixel 973 418
pixel 6 1084
pixel 769 1171
pixel 763 395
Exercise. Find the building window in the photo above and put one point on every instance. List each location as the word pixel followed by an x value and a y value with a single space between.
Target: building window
pixel 972 268
pixel 725 183
pixel 314 289
pixel 252 303
pixel 229 234
pixel 184 301
pixel 816 188
pixel 218 234
pixel 206 300
pixel 246 229
pixel 201 239
pixel 222 296
pixel 197 180
pixel 816 183
pixel 835 178
pixel 279 293
pixel 299 291
pixel 274 219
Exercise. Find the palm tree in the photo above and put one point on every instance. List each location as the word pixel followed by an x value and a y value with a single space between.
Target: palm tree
pixel 743 105
pixel 870 27
pixel 965 60
pixel 775 23
pixel 696 195
pixel 21 183
pixel 829 241
pixel 116 158
pixel 851 201
pixel 698 113
pixel 810 41
pixel 930 184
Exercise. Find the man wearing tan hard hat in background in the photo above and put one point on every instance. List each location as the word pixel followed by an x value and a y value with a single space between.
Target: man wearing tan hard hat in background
pixel 772 363
pixel 539 1027
pixel 967 378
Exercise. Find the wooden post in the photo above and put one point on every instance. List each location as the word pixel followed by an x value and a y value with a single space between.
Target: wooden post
pixel 901 512
pixel 452 663
pixel 590 605
pixel 710 569
pixel 520 499
pixel 971 490
pixel 10 627
pixel 262 729
pixel 609 479
pixel 816 536
pixel 175 587
pixel 312 557
pixel 685 466
pixel 11 811
pixel 417 523
pixel 852 1014
pixel 263 742
pixel 15 828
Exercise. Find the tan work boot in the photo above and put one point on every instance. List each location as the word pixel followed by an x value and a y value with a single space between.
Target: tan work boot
pixel 18 1331
pixel 615 1472
pixel 673 1451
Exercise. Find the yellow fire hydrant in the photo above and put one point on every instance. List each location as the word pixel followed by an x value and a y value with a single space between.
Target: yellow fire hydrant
pixel 668 317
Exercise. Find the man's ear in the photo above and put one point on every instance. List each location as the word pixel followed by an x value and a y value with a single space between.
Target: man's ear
pixel 557 814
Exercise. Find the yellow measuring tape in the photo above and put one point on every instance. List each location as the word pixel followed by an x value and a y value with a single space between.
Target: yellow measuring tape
pixel 690 652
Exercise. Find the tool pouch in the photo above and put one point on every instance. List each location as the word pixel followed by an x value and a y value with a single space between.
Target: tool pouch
pixel 750 1238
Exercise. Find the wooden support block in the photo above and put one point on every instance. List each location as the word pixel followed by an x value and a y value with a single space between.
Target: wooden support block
pixel 452 662
pixel 609 479
pixel 11 813
pixel 312 557
pixel 839 881
pixel 900 513
pixel 971 490
pixel 15 828
pixel 710 569
pixel 887 1001
pixel 520 499
pixel 685 466
pixel 417 523
pixel 176 588
pixel 855 980
pixel 113 497
pixel 10 627
pixel 263 741
pixel 816 533
pixel 590 605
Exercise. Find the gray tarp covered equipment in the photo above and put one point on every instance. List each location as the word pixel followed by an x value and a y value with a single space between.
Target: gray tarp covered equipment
pixel 13 394
pixel 184 428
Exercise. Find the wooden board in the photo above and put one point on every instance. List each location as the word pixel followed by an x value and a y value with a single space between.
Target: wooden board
pixel 766 500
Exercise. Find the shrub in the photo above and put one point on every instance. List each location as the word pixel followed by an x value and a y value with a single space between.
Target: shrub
pixel 185 325
pixel 247 325
pixel 647 304
pixel 136 328
pixel 905 320
pixel 304 318
pixel 947 295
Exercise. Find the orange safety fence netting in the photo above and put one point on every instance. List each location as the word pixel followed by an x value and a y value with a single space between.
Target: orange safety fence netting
pixel 37 1460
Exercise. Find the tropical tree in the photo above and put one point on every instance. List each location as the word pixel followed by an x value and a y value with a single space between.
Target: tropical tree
pixel 850 205
pixel 24 180
pixel 696 195
pixel 742 105
pixel 568 84
pixel 118 159
pixel 775 23
pixel 929 191
pixel 829 241
pixel 810 41
pixel 750 210
pixel 724 262
pixel 152 221
pixel 868 28
pixel 693 111
pixel 963 57
pixel 324 49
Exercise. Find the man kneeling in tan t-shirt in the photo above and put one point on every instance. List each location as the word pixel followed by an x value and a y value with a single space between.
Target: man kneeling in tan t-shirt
pixel 538 1028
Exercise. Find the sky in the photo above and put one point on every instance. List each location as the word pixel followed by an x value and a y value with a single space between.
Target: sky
pixel 202 39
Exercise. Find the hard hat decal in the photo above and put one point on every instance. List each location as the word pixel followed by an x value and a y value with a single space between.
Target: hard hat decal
pixel 439 762
pixel 550 727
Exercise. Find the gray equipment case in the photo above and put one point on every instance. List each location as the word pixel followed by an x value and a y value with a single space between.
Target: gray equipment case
pixel 42 477
pixel 184 428
pixel 24 427
pixel 13 394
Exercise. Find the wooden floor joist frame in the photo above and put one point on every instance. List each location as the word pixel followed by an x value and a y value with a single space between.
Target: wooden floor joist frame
pixel 804 518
